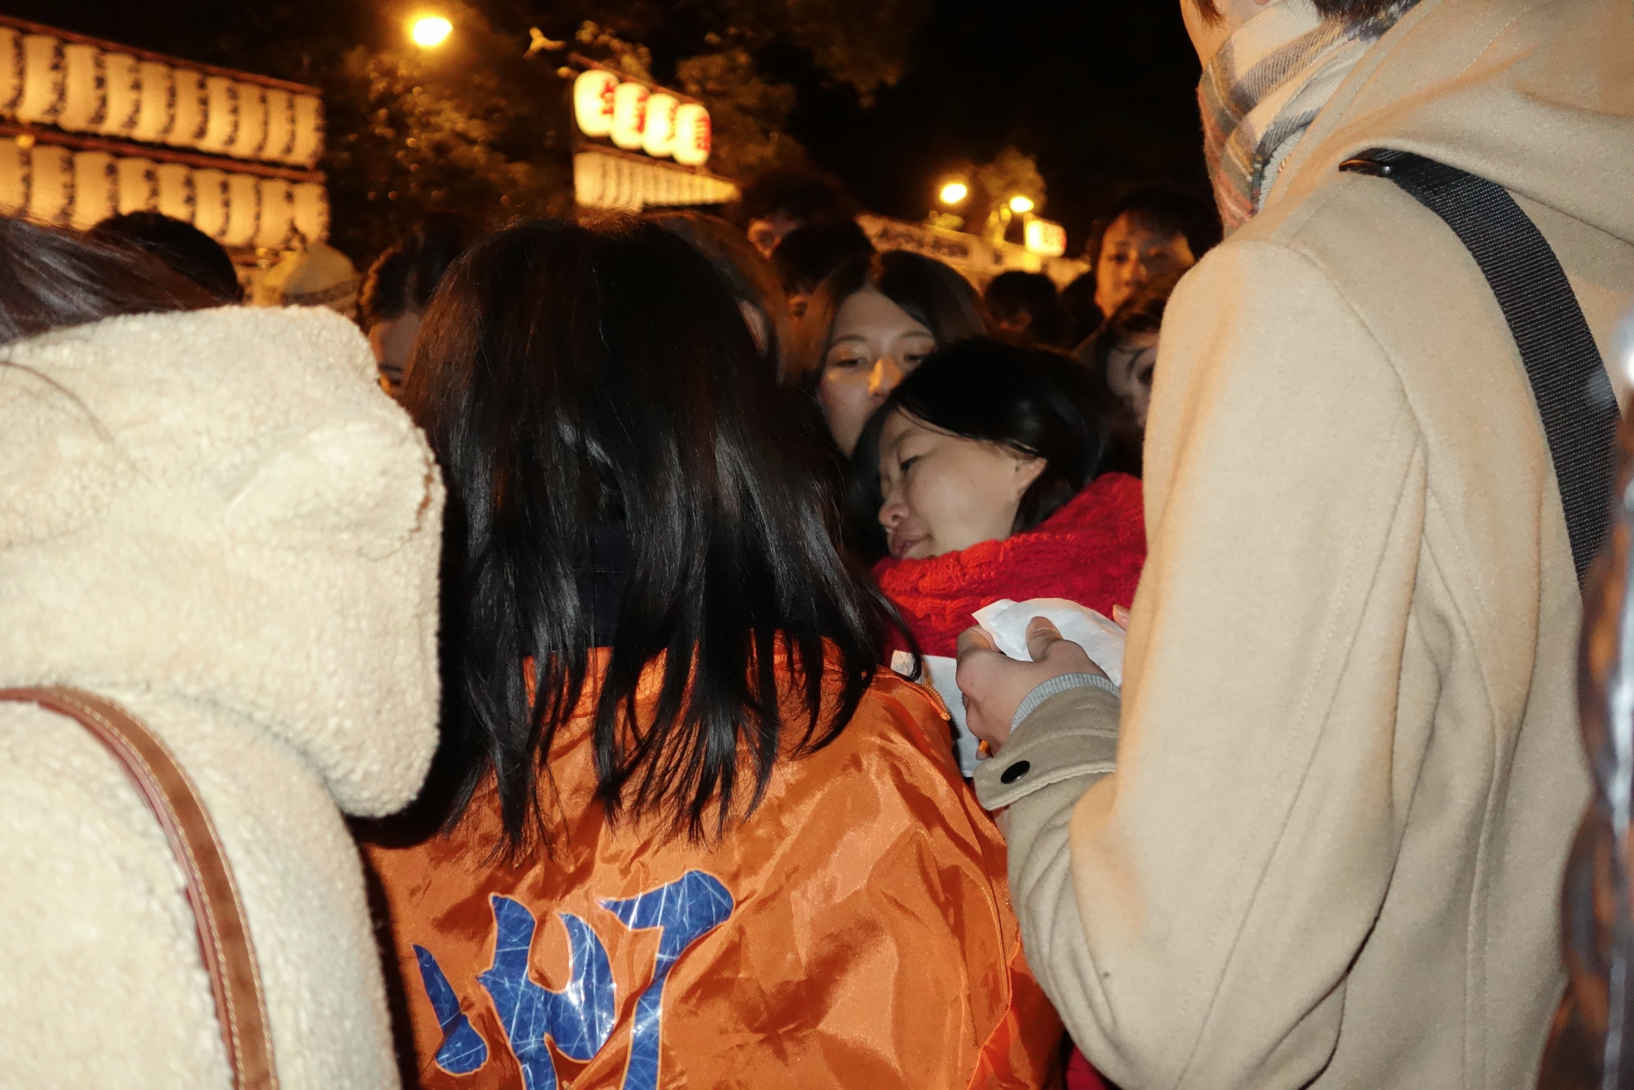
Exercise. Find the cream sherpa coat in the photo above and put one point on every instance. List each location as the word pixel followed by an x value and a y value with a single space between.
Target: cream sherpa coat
pixel 218 520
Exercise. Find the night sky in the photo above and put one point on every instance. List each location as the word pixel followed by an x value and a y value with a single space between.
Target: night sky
pixel 1102 92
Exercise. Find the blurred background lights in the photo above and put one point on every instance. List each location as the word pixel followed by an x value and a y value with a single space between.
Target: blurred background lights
pixel 1021 205
pixel 430 31
pixel 954 192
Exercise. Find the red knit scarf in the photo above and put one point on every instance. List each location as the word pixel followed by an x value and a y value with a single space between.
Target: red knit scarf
pixel 1090 551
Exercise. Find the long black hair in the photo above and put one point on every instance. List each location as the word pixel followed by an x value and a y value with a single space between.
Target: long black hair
pixel 931 292
pixel 1038 403
pixel 51 278
pixel 581 382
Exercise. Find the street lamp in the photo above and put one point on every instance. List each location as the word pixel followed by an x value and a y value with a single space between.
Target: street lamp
pixel 1021 205
pixel 430 31
pixel 954 192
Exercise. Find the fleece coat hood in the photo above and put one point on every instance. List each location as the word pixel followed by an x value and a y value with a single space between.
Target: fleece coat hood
pixel 218 520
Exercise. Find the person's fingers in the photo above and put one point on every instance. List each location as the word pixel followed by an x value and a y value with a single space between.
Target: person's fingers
pixel 974 638
pixel 1120 617
pixel 1041 632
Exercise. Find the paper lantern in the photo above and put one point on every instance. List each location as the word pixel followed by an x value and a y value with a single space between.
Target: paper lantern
pixel 308 142
pixel 658 135
pixel 692 135
pixel 122 81
pixel 95 189
pixel 593 102
pixel 42 79
pixel 51 183
pixel 82 88
pixel 629 115
pixel 311 211
pixel 176 191
pixel 210 202
pixel 138 182
pixel 157 112
pixel 277 218
pixel 220 114
pixel 243 210
pixel 11 69
pixel 191 111
pixel 280 140
pixel 252 121
pixel 14 178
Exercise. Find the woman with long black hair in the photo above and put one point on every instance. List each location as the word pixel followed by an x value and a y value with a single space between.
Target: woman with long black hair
pixel 693 836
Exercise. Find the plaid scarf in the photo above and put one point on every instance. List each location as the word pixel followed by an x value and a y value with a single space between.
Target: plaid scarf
pixel 1265 86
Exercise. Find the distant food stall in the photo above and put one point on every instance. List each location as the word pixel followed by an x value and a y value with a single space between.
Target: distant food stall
pixel 90 128
pixel 978 258
pixel 640 145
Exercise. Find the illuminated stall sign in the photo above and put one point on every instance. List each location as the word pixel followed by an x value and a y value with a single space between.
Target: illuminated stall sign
pixel 1046 237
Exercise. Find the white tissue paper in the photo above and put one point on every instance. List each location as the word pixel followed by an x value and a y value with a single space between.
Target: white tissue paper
pixel 938 674
pixel 1101 639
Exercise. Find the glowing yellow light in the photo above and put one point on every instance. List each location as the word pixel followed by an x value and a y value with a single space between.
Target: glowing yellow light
pixel 430 31
pixel 954 192
pixel 1020 204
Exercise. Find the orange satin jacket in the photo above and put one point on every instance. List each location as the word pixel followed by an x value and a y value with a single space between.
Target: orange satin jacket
pixel 856 931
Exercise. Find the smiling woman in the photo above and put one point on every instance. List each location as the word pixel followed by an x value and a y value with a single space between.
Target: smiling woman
pixel 984 469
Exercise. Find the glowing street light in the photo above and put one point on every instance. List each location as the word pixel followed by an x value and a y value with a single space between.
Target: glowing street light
pixel 954 192
pixel 1021 205
pixel 430 31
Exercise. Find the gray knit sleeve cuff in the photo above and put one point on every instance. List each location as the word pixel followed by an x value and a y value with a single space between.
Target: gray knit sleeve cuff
pixel 1060 684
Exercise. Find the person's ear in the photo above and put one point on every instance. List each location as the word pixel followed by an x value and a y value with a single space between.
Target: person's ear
pixel 1027 470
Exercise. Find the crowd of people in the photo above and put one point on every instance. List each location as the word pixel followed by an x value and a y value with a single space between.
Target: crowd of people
pixel 577 650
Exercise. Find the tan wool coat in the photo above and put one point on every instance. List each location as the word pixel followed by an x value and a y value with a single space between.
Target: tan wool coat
pixel 1323 843
pixel 219 521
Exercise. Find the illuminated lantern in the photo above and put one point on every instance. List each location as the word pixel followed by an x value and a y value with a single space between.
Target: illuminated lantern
pixel 311 210
pixel 192 108
pixel 43 75
pixel 15 170
pixel 138 185
pixel 220 115
pixel 280 139
pixel 308 143
pixel 593 102
pixel 124 84
pixel 252 122
pixel 158 110
pixel 629 115
pixel 277 218
pixel 658 135
pixel 52 183
pixel 1044 237
pixel 691 135
pixel 11 69
pixel 176 191
pixel 210 202
pixel 82 88
pixel 96 195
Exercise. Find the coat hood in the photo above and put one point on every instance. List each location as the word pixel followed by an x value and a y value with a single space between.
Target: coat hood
pixel 1536 95
pixel 222 506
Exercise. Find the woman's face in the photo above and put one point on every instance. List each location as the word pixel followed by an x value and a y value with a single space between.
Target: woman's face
pixel 1129 368
pixel 944 493
pixel 872 345
pixel 1132 254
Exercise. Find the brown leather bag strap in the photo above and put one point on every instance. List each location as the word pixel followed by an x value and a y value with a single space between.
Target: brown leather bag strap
pixel 224 936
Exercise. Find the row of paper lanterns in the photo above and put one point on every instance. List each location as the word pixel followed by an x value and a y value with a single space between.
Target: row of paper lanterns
pixel 636 118
pixel 85 88
pixel 78 189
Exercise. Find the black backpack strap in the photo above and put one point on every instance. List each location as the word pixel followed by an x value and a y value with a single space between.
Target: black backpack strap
pixel 1568 378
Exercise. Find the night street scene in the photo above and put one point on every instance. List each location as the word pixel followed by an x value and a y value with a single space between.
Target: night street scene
pixel 924 544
